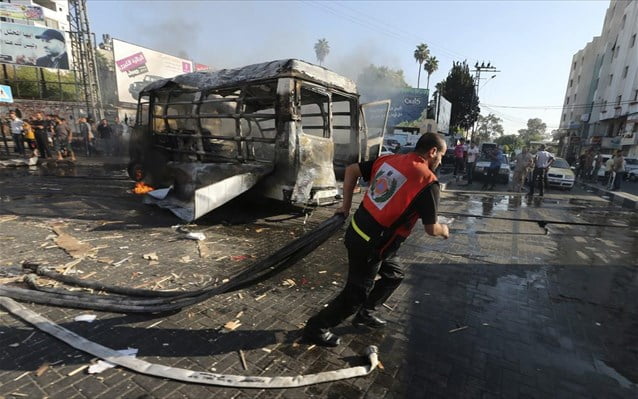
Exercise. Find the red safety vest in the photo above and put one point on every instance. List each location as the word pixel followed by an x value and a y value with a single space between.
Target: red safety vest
pixel 396 181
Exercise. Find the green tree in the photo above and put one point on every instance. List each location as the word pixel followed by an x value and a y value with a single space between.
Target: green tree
pixel 489 127
pixel 430 66
pixel 421 53
pixel 322 49
pixel 30 82
pixel 535 130
pixel 380 78
pixel 458 88
pixel 512 141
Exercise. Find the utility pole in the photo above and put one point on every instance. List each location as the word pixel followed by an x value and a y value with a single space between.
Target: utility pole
pixel 83 52
pixel 478 68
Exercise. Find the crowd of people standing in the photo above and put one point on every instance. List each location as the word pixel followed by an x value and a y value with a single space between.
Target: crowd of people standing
pixel 50 136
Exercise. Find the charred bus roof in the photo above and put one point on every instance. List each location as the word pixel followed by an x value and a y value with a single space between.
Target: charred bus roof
pixel 293 68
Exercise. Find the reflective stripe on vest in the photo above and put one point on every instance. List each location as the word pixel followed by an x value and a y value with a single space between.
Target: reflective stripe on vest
pixel 396 181
pixel 359 231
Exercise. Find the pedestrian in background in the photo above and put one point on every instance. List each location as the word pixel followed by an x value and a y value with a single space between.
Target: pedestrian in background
pixel 458 159
pixel 403 188
pixel 17 132
pixel 619 170
pixel 62 139
pixel 542 161
pixel 472 155
pixel 524 162
pixel 609 172
pixel 495 157
pixel 105 135
pixel 29 136
pixel 41 137
pixel 598 163
pixel 87 136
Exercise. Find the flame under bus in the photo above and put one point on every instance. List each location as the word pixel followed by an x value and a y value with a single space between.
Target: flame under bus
pixel 281 127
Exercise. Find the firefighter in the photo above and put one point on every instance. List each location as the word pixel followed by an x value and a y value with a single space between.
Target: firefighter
pixel 403 188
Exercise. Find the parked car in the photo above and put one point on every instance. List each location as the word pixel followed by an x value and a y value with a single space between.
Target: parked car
pixel 632 175
pixel 560 174
pixel 631 164
pixel 483 163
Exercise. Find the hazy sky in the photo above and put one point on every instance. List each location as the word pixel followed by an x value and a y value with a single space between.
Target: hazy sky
pixel 531 42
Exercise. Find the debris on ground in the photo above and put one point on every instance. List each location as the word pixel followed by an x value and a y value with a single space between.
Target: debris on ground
pixel 42 369
pixel 150 256
pixel 89 318
pixel 457 329
pixel 203 250
pixel 232 325
pixel 243 359
pixel 102 365
pixel 70 244
pixel 289 282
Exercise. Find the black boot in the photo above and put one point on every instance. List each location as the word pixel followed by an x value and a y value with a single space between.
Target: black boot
pixel 365 318
pixel 321 337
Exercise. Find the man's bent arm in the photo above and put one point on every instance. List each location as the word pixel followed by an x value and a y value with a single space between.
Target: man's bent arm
pixel 353 173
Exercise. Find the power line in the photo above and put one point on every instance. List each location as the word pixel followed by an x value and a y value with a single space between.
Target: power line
pixel 566 107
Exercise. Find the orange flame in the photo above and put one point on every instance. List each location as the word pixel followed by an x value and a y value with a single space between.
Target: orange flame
pixel 141 188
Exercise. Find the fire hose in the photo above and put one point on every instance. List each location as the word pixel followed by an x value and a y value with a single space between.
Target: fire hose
pixel 180 374
pixel 127 300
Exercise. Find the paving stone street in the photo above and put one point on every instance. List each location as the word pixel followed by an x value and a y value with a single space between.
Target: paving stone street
pixel 527 299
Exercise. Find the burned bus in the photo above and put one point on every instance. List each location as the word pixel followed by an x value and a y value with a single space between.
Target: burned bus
pixel 284 128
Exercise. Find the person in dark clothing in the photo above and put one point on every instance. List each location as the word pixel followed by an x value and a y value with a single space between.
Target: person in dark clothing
pixel 403 189
pixel 105 134
pixel 40 127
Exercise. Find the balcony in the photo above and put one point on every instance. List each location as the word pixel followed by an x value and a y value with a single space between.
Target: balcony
pixel 629 139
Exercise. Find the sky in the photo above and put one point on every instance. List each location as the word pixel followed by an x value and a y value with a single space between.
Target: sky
pixel 530 42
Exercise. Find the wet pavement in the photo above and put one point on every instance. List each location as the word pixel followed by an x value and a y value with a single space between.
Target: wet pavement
pixel 528 298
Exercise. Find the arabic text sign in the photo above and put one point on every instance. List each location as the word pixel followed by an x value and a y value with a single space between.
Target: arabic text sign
pixel 138 66
pixel 19 45
pixel 5 94
pixel 131 62
pixel 14 11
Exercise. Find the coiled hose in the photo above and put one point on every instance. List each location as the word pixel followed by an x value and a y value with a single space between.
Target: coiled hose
pixel 127 300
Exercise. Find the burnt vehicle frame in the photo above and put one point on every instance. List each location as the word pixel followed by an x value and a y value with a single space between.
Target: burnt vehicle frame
pixel 287 128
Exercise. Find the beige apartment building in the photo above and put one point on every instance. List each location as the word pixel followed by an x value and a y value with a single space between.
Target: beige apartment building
pixel 600 109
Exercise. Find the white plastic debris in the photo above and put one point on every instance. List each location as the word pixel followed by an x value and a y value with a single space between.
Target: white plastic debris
pixel 102 365
pixel 160 193
pixel 89 318
pixel 196 236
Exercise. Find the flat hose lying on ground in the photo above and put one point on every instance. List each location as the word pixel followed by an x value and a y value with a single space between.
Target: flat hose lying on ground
pixel 198 377
pixel 127 299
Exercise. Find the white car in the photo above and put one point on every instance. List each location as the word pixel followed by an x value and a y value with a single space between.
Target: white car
pixel 560 174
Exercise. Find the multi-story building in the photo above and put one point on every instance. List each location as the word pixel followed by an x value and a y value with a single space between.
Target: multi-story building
pixel 600 110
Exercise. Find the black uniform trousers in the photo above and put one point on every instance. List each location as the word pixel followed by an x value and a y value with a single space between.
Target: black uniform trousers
pixel 539 175
pixel 361 290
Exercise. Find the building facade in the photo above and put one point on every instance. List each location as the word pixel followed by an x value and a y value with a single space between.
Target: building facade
pixel 600 110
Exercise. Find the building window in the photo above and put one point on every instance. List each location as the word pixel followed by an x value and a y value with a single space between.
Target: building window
pixel 571 82
pixel 635 95
pixel 574 68
pixel 625 72
pixel 578 79
pixel 618 100
pixel 564 117
pixel 611 78
pixel 624 19
pixel 574 98
pixel 567 103
pixel 632 41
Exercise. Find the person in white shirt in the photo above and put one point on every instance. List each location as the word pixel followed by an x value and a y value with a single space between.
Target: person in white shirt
pixel 542 161
pixel 472 155
pixel 17 132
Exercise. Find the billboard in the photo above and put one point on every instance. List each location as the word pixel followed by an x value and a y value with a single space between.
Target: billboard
pixel 443 114
pixel 136 67
pixel 33 45
pixel 14 11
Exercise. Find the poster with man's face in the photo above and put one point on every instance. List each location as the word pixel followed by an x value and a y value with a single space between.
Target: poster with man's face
pixel 33 45
pixel 136 67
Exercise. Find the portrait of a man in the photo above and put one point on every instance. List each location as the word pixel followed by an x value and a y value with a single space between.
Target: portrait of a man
pixel 55 49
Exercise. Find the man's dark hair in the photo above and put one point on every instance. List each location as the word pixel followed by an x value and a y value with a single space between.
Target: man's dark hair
pixel 429 141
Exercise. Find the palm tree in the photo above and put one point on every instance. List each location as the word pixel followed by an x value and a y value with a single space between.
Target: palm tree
pixel 431 65
pixel 420 55
pixel 322 49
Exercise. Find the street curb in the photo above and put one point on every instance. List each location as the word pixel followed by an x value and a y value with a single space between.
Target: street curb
pixel 625 200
